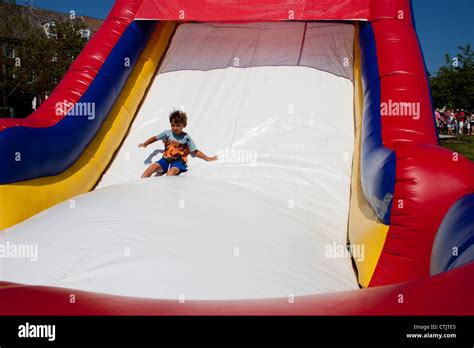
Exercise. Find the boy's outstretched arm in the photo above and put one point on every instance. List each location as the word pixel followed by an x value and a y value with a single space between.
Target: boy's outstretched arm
pixel 148 142
pixel 203 156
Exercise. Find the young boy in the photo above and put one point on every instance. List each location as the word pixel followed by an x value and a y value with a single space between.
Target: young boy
pixel 178 145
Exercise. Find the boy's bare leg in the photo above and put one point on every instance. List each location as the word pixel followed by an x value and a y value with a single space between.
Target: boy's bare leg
pixel 173 171
pixel 153 168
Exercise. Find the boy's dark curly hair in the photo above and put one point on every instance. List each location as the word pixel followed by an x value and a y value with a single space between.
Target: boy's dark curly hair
pixel 179 117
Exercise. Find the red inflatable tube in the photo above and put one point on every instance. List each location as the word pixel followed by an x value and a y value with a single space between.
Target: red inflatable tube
pixel 444 294
pixel 429 179
pixel 268 10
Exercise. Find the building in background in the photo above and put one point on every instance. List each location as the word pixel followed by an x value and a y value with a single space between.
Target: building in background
pixel 15 102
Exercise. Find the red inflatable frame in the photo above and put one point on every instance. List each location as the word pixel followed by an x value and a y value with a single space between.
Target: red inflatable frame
pixel 420 165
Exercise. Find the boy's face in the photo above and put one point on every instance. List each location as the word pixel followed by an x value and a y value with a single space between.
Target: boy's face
pixel 177 127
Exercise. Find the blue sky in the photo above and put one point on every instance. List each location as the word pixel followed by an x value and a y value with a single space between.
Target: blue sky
pixel 92 8
pixel 442 25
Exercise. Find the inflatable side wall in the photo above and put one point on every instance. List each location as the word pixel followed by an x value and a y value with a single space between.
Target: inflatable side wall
pixel 93 82
pixel 407 178
pixel 48 158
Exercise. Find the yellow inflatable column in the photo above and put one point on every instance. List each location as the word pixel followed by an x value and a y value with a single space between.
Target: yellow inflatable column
pixel 366 233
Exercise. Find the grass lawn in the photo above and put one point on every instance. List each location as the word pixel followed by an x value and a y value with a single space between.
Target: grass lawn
pixel 464 146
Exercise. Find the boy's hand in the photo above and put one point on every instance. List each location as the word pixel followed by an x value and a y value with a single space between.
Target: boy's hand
pixel 142 145
pixel 203 156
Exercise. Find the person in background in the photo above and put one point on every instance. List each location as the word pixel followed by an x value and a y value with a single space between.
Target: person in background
pixel 449 121
pixel 472 124
pixel 461 125
pixel 437 120
pixel 468 124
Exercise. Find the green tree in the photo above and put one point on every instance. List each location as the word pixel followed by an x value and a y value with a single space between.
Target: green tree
pixel 13 28
pixel 41 60
pixel 453 84
pixel 46 58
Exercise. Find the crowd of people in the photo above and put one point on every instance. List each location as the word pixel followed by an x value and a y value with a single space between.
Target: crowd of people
pixel 452 122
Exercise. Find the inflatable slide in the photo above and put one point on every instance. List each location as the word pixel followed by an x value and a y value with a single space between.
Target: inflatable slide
pixel 331 194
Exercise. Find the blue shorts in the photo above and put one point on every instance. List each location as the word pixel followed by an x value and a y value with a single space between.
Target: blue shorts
pixel 165 165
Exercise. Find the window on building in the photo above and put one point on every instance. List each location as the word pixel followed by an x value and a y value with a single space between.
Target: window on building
pixel 10 53
pixel 85 34
pixel 9 71
pixel 48 27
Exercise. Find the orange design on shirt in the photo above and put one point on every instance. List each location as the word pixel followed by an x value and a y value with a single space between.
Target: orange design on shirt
pixel 176 150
